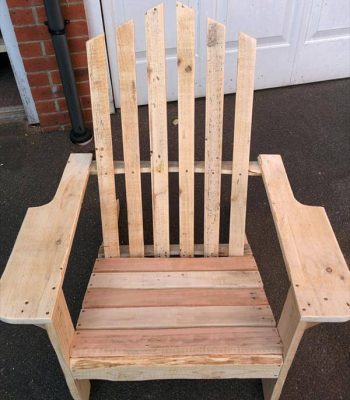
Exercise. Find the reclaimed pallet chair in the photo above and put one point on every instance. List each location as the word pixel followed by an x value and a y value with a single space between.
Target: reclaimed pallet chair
pixel 185 316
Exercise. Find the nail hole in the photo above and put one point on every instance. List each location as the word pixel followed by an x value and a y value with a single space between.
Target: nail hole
pixel 325 298
pixel 26 302
pixel 47 313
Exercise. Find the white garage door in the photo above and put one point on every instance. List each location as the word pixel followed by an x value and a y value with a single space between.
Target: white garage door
pixel 298 41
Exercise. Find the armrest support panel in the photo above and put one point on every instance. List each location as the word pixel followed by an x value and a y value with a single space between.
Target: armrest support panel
pixel 316 266
pixel 35 270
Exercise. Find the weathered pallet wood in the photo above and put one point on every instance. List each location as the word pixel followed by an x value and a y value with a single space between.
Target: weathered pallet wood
pixel 174 317
pixel 213 135
pixel 130 130
pixel 186 68
pixel 98 79
pixel 241 144
pixel 157 110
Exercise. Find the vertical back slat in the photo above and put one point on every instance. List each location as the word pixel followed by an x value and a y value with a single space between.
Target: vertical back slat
pixel 157 109
pixel 186 69
pixel 130 129
pixel 213 135
pixel 97 63
pixel 241 146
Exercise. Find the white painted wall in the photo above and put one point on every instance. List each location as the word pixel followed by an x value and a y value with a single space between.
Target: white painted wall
pixel 298 41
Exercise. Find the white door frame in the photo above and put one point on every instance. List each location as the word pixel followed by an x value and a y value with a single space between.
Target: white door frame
pixel 16 61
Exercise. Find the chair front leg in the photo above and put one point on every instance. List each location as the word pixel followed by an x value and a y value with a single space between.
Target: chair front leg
pixel 61 331
pixel 291 329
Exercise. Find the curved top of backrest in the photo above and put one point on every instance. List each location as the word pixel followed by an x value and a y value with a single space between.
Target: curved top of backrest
pixel 159 163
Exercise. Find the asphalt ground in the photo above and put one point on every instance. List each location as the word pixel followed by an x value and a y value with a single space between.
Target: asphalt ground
pixel 308 125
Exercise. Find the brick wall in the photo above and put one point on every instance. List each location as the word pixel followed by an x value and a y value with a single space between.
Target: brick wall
pixel 39 60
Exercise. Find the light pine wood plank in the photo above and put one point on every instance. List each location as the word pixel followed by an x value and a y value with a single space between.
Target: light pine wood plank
pixel 157 110
pixel 130 129
pixel 104 298
pixel 241 145
pixel 174 317
pixel 97 63
pixel 171 342
pixel 226 167
pixel 244 263
pixel 36 267
pixel 177 367
pixel 314 261
pixel 61 332
pixel 186 279
pixel 213 135
pixel 291 329
pixel 186 69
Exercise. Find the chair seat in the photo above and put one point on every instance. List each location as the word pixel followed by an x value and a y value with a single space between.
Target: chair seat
pixel 154 318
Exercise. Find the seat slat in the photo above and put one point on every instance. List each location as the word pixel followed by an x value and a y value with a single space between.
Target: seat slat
pixel 186 341
pixel 244 263
pixel 186 69
pixel 177 367
pixel 213 135
pixel 97 62
pixel 241 146
pixel 174 317
pixel 104 298
pixel 157 109
pixel 130 131
pixel 185 279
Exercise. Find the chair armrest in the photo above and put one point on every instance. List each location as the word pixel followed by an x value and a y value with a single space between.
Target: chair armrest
pixel 35 270
pixel 315 264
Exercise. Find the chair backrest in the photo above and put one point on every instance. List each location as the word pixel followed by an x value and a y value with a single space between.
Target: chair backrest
pixel 159 165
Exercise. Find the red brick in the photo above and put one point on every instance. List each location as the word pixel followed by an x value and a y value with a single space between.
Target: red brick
pixel 22 16
pixel 79 60
pixel 77 28
pixel 54 118
pixel 87 115
pixel 40 79
pixel 81 74
pixel 40 64
pixel 47 92
pixel 35 32
pixel 24 3
pixel 30 49
pixel 77 45
pixel 83 88
pixel 62 104
pixel 55 76
pixel 69 11
pixel 85 101
pixel 46 106
pixel 49 51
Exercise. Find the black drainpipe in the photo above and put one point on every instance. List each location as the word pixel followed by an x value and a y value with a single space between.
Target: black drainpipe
pixel 56 25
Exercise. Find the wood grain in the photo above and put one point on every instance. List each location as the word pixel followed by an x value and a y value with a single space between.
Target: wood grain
pixel 98 78
pixel 241 145
pixel 174 317
pixel 157 111
pixel 130 129
pixel 213 135
pixel 107 297
pixel 186 71
pixel 315 264
pixel 35 270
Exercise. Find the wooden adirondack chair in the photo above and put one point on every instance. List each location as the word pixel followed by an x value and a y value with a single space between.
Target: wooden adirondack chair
pixel 174 317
